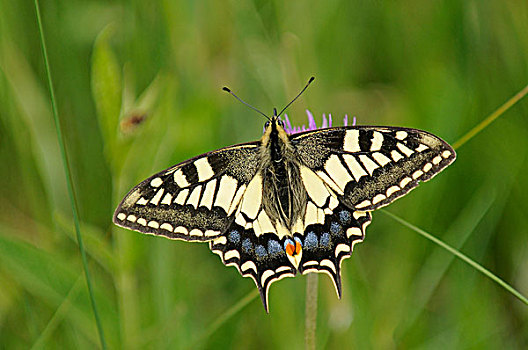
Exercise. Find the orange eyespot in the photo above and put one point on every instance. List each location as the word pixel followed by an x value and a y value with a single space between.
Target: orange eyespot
pixel 293 250
pixel 290 249
pixel 298 247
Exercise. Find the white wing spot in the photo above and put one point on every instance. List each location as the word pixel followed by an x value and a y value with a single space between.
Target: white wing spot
pixel 401 135
pixel 231 254
pixel 405 182
pixel 194 197
pixel 121 216
pixel 220 240
pixel 265 223
pixel 446 154
pixel 180 179
pixel 310 217
pixel 363 204
pixel 368 163
pixel 314 186
pixel 437 160
pixel 417 174
pixel 329 264
pixel 132 218
pixel 181 197
pixel 248 265
pixel 329 182
pixel 335 169
pixel 226 192
pixel 205 172
pixel 427 167
pixel 142 221
pixel 167 227
pixel 354 231
pixel 282 269
pixel 376 141
pixel 156 182
pixel 396 156
pixel 422 148
pixel 142 201
pixel 359 214
pixel 153 224
pixel 211 233
pixel 236 200
pixel 182 230
pixel 378 198
pixel 356 169
pixel 351 142
pixel 392 190
pixel 404 149
pixel 155 200
pixel 265 275
pixel 341 248
pixel 167 199
pixel 207 197
pixel 381 158
pixel 196 232
pixel 252 197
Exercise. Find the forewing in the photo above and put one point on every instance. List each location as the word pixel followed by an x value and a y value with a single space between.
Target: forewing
pixel 369 166
pixel 194 200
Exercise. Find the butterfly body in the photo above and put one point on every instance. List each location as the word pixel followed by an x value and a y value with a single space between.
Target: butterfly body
pixel 286 204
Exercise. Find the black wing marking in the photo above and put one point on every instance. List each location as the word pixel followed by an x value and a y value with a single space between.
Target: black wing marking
pixel 261 253
pixel 263 258
pixel 369 166
pixel 326 245
pixel 193 200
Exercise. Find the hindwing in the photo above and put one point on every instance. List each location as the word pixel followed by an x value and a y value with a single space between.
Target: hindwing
pixel 369 167
pixel 193 200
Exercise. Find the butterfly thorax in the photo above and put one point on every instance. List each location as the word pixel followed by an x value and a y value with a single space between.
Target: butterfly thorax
pixel 284 196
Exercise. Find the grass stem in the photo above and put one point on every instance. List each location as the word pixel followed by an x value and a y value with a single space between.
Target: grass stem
pixel 69 179
pixel 459 255
pixel 491 118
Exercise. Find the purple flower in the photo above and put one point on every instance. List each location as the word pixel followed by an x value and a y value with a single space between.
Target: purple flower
pixel 327 123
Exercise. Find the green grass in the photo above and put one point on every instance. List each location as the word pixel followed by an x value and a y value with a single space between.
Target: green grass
pixel 439 66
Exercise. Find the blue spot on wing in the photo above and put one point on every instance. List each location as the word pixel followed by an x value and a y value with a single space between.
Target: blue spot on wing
pixel 274 247
pixel 310 242
pixel 344 217
pixel 324 240
pixel 335 228
pixel 247 246
pixel 234 237
pixel 261 251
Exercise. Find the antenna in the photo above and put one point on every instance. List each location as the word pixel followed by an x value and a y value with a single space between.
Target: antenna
pixel 247 104
pixel 296 97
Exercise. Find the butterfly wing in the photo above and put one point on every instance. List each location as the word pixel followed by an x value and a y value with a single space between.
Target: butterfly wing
pixel 363 168
pixel 369 167
pixel 193 200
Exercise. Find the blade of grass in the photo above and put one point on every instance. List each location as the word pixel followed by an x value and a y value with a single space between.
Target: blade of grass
pixel 491 118
pixel 69 180
pixel 63 308
pixel 436 265
pixel 459 255
pixel 224 317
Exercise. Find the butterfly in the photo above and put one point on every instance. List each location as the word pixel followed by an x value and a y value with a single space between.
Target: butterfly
pixel 286 204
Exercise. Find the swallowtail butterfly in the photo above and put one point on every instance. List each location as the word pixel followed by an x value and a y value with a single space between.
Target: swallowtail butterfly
pixel 285 204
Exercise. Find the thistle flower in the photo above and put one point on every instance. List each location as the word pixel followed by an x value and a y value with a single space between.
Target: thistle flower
pixel 327 123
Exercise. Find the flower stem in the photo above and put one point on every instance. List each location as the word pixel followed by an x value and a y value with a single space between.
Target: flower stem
pixel 311 310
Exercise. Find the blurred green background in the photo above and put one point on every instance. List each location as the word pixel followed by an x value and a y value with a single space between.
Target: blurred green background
pixel 442 66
